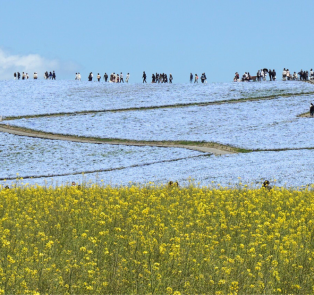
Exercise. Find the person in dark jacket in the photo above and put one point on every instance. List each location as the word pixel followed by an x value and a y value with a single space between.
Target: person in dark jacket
pixel 53 75
pixel 170 78
pixel 270 73
pixel 312 110
pixel 202 78
pixel 106 77
pixel 144 77
pixel 191 78
pixel 274 75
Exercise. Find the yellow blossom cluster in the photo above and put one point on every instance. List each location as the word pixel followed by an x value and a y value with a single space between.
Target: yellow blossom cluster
pixel 156 239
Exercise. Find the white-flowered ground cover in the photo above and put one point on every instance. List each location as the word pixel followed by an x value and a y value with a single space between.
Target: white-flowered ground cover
pixel 288 168
pixel 35 157
pixel 267 124
pixel 33 97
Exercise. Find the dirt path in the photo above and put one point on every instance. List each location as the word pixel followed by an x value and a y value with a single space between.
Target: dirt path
pixel 178 105
pixel 212 148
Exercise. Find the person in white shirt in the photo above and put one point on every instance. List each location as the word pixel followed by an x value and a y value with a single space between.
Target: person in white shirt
pixel 35 76
pixel 127 78
pixel 79 77
pixel 121 77
pixel 265 75
pixel 98 77
pixel 284 74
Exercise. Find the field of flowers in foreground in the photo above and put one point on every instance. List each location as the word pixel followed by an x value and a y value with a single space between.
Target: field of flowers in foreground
pixel 163 240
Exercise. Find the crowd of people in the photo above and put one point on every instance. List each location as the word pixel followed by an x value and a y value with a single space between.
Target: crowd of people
pixel 159 78
pixel 25 76
pixel 262 74
pixel 303 75
pixel 113 78
pixel 50 76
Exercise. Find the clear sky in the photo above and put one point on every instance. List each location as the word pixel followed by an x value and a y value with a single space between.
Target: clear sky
pixel 171 36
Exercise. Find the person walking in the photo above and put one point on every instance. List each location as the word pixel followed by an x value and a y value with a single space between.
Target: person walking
pixel 170 78
pixel 312 110
pixel 144 77
pixel 127 78
pixel 121 77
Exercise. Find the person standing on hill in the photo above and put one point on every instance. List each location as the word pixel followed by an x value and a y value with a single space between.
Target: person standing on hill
pixel 196 78
pixel 98 77
pixel 270 73
pixel 121 77
pixel 14 76
pixel 53 75
pixel 35 76
pixel 170 78
pixel 127 78
pixel 312 110
pixel 144 77
pixel 274 75
pixel 106 77
pixel 191 77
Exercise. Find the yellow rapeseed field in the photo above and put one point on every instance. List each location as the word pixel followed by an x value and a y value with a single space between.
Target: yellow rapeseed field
pixel 156 239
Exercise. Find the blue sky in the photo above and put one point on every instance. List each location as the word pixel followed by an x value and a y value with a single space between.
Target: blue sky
pixel 178 37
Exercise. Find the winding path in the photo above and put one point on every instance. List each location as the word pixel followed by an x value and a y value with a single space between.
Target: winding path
pixel 212 148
